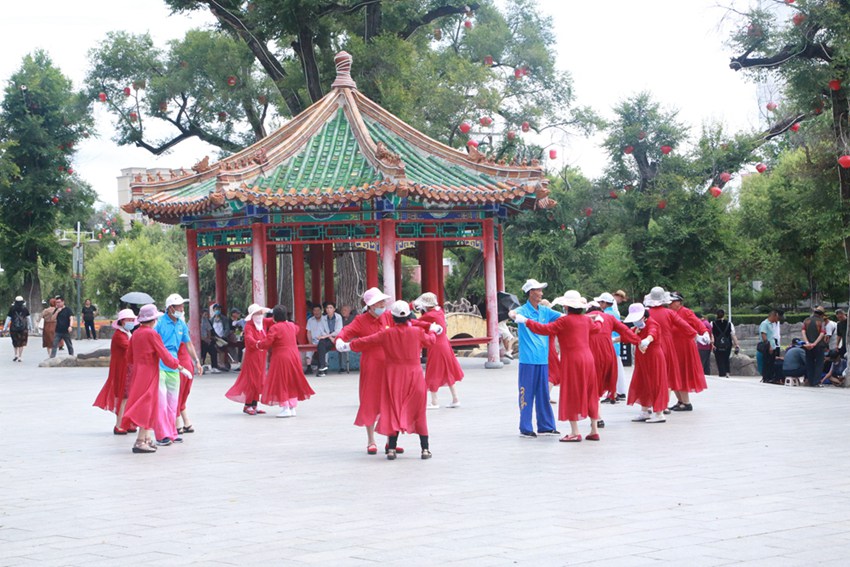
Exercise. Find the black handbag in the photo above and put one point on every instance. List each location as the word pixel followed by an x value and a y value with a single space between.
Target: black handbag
pixel 763 347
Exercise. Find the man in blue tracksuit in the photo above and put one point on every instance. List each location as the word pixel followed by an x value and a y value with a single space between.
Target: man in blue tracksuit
pixel 534 365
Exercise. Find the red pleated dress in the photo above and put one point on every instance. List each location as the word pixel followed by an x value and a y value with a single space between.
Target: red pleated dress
pixel 578 397
pixel 604 357
pixel 691 376
pixel 285 380
pixel 402 408
pixel 146 350
pixel 371 364
pixel 186 362
pixel 668 324
pixel 649 380
pixel 554 362
pixel 442 368
pixel 252 374
pixel 115 388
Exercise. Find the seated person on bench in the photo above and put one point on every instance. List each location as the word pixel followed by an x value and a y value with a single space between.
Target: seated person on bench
pixel 793 365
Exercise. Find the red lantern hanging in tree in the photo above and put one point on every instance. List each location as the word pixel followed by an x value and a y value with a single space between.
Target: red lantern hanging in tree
pixel 563 227
pixel 798 19
pixel 262 99
pixel 761 168
pixel 222 116
pixel 835 85
pixel 517 73
pixel 662 204
pixel 511 135
pixel 789 1
pixel 67 189
pixel 485 120
pixel 627 187
pixel 844 161
pixel 231 81
pixel 588 211
pixel 795 127
pixel 127 91
pixel 771 106
pixel 818 109
pixel 725 177
pixel 101 97
pixel 716 191
pixel 628 150
pixel 467 24
pixel 163 107
pixel 472 144
pixel 70 171
pixel 613 194
pixel 488 60
pixel 55 200
pixel 133 117
pixel 666 149
pixel 526 127
pixel 553 154
pixel 465 127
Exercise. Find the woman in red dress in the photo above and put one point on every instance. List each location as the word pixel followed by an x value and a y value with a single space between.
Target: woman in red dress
pixel 649 380
pixel 252 374
pixel 113 395
pixel 442 368
pixel 668 325
pixel 691 375
pixel 374 320
pixel 602 347
pixel 554 360
pixel 285 384
pixel 579 396
pixel 402 408
pixel 145 400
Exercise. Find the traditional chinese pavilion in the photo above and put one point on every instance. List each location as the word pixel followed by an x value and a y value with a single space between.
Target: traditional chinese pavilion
pixel 344 175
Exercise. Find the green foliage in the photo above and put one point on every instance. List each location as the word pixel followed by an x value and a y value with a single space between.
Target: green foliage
pixel 41 121
pixel 136 264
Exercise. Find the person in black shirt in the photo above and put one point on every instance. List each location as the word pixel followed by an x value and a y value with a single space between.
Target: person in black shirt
pixel 64 320
pixel 18 323
pixel 89 312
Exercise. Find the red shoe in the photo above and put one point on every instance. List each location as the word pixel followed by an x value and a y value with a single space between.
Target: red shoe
pixel 372 449
pixel 592 437
pixel 571 438
pixel 119 431
pixel 249 410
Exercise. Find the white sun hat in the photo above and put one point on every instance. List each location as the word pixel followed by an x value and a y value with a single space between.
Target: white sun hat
pixel 571 298
pixel 606 297
pixel 657 296
pixel 373 295
pixel 400 308
pixel 636 313
pixel 255 308
pixel 533 284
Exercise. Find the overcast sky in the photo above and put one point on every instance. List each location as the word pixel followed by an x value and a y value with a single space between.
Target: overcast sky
pixel 613 48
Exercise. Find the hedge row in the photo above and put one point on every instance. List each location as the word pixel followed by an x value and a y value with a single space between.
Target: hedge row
pixel 756 318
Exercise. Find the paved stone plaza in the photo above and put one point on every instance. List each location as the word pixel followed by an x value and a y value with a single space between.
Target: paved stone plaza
pixel 755 475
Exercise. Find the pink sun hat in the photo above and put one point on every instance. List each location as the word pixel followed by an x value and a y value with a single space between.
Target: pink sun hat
pixel 149 312
pixel 373 295
pixel 123 314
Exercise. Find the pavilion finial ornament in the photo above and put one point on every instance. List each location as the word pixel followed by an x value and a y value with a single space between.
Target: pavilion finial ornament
pixel 343 71
pixel 385 155
pixel 202 165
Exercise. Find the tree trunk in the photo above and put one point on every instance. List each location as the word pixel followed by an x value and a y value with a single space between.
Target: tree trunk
pixel 373 21
pixel 32 291
pixel 284 283
pixel 351 269
pixel 305 51
pixel 474 270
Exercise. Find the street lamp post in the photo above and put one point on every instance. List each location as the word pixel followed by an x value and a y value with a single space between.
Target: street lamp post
pixel 77 261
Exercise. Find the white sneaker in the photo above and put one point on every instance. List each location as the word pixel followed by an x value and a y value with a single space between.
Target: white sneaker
pixel 643 416
pixel 656 418
pixel 285 412
pixel 292 412
pixel 215 371
pixel 432 406
pixel 454 404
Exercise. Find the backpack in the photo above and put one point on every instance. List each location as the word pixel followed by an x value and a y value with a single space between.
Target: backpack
pixel 722 336
pixel 19 322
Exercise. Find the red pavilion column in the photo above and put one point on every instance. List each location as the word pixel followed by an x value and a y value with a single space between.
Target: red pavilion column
pixel 316 273
pixel 222 260
pixel 371 269
pixel 493 360
pixel 258 261
pixel 195 308
pixel 388 255
pixel 271 276
pixel 299 292
pixel 500 267
pixel 438 271
pixel 398 272
pixel 328 258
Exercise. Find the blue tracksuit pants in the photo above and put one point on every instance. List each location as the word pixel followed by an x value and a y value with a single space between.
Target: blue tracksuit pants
pixel 534 390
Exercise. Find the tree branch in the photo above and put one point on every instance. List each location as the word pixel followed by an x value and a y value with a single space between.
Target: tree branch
pixel 434 14
pixel 808 51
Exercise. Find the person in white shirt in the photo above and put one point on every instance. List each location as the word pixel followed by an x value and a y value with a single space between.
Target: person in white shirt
pixel 831 328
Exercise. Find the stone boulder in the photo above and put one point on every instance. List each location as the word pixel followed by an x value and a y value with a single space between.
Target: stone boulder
pixel 739 365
